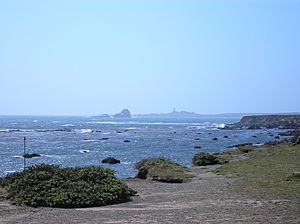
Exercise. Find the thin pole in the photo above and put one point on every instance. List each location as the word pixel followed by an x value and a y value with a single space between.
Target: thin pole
pixel 24 153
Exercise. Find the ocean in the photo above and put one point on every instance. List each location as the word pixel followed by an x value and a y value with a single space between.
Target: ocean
pixel 82 141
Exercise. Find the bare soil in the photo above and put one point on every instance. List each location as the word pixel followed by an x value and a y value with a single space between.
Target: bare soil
pixel 208 198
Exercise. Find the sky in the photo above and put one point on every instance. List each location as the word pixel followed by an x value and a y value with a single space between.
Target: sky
pixel 92 57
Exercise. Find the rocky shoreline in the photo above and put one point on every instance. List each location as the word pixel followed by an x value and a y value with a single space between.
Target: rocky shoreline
pixel 267 122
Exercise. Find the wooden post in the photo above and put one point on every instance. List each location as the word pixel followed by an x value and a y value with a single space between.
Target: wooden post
pixel 24 153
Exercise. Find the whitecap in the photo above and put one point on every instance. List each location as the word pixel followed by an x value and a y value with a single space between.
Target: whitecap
pixel 83 131
pixel 9 171
pixel 35 121
pixel 222 125
pixel 89 140
pixel 68 125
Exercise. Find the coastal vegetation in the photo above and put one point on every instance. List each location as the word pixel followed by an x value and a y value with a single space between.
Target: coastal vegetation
pixel 163 170
pixel 269 171
pixel 53 186
pixel 205 158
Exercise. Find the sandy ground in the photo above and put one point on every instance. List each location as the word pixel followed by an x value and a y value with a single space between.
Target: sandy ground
pixel 206 199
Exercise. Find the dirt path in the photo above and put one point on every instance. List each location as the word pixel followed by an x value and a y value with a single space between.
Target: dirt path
pixel 206 199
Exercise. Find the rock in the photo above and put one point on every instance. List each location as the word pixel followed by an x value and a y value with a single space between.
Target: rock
pixel 142 173
pixel 119 131
pixel 294 176
pixel 215 139
pixel 290 133
pixel 296 140
pixel 168 179
pixel 239 145
pixel 126 141
pixel 110 160
pixel 31 155
pixel 277 137
pixel 104 138
pixel 271 143
pixel 125 113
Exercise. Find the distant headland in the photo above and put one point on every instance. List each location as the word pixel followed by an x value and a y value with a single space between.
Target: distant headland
pixel 125 113
pixel 279 121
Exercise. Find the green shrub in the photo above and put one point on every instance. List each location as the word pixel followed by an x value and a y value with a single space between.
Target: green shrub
pixel 294 176
pixel 50 185
pixel 163 170
pixel 204 158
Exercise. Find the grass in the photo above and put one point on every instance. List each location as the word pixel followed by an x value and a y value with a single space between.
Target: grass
pixel 267 172
pixel 164 170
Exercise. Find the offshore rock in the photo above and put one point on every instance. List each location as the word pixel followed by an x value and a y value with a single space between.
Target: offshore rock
pixel 31 155
pixel 125 113
pixel 111 160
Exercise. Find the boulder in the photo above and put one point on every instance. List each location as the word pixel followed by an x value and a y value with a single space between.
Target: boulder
pixel 31 155
pixel 142 173
pixel 110 160
pixel 104 139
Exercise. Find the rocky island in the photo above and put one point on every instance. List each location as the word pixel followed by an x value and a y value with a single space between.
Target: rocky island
pixel 267 121
pixel 125 113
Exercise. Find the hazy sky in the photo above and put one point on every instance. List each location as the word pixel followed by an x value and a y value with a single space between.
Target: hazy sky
pixel 90 57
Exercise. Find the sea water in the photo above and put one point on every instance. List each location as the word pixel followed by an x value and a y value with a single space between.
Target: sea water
pixel 82 141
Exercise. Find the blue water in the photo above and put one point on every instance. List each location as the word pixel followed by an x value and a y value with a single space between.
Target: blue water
pixel 63 140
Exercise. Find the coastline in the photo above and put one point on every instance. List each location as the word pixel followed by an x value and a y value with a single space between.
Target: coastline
pixel 207 198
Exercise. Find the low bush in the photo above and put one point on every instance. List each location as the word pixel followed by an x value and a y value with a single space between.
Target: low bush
pixel 50 185
pixel 163 170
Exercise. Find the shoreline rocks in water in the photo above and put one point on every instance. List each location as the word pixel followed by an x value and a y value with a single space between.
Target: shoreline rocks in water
pixel 267 121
